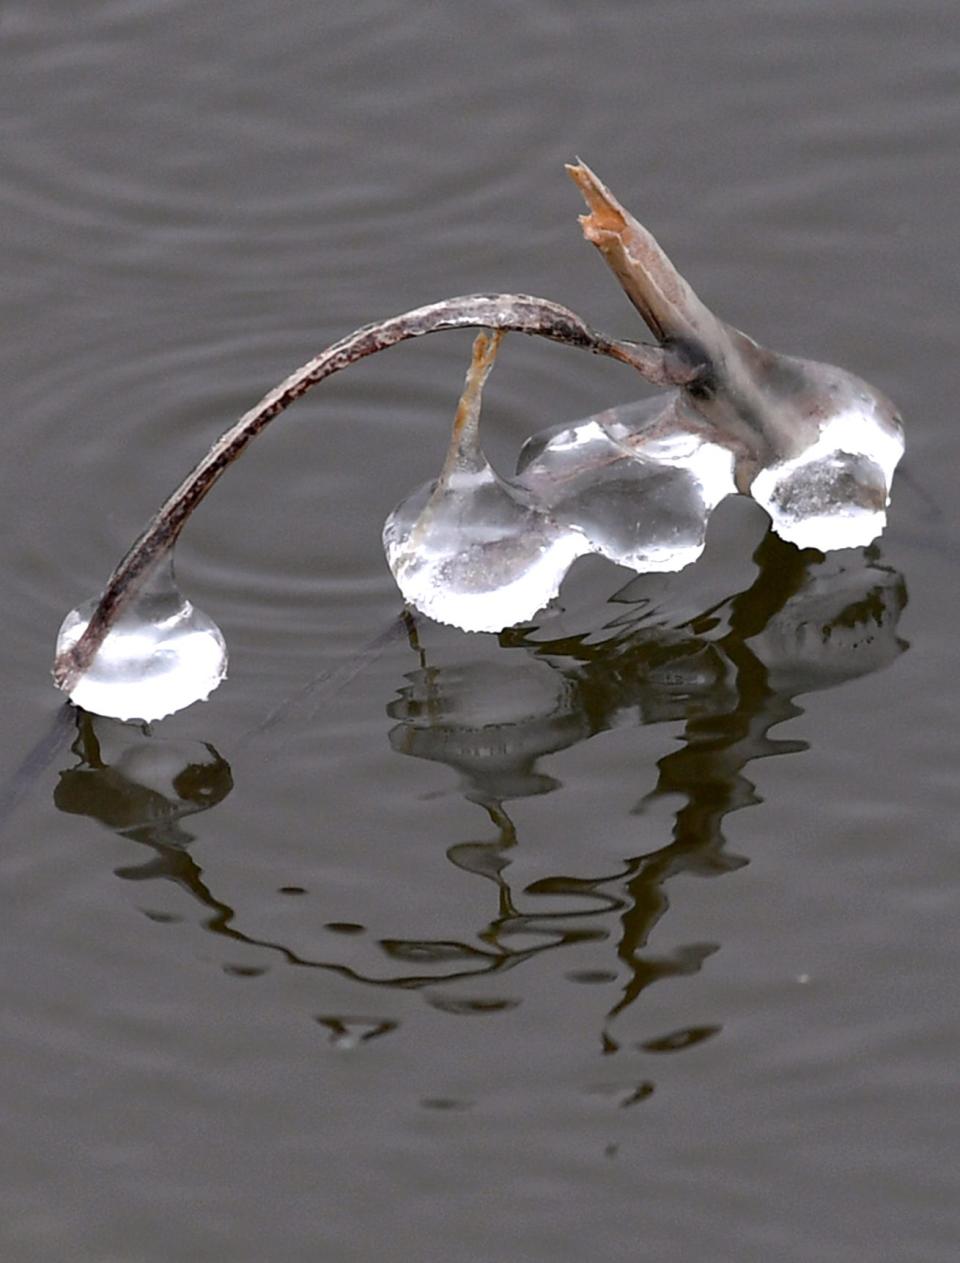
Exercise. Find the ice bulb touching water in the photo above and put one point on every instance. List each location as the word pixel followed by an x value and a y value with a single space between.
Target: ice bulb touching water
pixel 834 494
pixel 813 444
pixel 642 496
pixel 472 548
pixel 160 655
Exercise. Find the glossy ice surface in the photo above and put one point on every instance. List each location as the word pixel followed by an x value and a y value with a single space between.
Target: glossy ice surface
pixel 472 549
pixel 835 494
pixel 642 501
pixel 636 485
pixel 475 553
pixel 161 655
pixel 482 552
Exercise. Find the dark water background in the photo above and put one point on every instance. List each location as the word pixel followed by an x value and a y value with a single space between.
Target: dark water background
pixel 633 936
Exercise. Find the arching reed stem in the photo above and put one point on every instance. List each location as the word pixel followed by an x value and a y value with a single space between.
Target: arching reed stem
pixel 517 312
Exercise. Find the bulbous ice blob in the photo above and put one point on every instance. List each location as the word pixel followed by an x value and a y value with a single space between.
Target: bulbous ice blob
pixel 473 549
pixel 640 496
pixel 813 444
pixel 834 494
pixel 160 654
pixel 470 552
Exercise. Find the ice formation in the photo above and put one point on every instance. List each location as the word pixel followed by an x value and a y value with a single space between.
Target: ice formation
pixel 814 445
pixel 474 549
pixel 640 497
pixel 160 654
pixel 835 494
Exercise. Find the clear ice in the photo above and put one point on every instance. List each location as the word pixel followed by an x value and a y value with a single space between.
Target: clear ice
pixel 641 494
pixel 814 445
pixel 636 484
pixel 473 549
pixel 160 655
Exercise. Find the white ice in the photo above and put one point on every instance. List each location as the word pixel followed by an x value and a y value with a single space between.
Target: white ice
pixel 161 654
pixel 835 494
pixel 473 549
pixel 472 552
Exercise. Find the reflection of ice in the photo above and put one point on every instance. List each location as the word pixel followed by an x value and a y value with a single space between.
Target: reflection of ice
pixel 142 788
pixel 472 549
pixel 799 627
pixel 160 655
pixel 840 624
pixel 484 718
pixel 729 674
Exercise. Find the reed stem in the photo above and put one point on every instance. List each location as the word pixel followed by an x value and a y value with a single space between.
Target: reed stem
pixel 514 312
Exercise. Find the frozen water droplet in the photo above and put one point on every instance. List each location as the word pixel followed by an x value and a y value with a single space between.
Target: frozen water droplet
pixel 476 555
pixel 640 496
pixel 835 494
pixel 160 655
pixel 473 549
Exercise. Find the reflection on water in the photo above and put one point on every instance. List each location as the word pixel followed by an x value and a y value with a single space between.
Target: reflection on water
pixel 730 674
pixel 138 787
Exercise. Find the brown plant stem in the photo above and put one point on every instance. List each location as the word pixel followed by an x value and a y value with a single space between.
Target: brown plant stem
pixel 517 312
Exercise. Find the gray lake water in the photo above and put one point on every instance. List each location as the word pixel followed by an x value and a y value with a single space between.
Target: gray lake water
pixel 628 935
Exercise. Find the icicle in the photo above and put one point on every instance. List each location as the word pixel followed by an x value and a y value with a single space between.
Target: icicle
pixel 160 654
pixel 473 549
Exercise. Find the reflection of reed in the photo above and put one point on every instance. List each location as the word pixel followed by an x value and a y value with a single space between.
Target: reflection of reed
pixel 729 674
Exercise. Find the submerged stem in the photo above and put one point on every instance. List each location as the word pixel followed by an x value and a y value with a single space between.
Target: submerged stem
pixel 518 312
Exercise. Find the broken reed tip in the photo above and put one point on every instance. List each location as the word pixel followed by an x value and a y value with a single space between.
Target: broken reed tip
pixel 606 213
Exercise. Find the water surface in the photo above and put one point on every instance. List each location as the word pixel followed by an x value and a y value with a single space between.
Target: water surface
pixel 628 934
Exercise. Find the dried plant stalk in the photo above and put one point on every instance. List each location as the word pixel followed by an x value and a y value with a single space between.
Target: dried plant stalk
pixel 814 445
pixel 517 312
pixel 664 298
